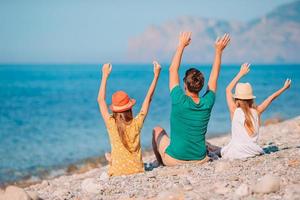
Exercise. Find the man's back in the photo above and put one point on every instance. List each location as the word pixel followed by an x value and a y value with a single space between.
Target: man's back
pixel 189 122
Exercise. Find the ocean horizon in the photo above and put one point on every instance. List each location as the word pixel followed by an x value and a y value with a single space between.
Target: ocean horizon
pixel 49 116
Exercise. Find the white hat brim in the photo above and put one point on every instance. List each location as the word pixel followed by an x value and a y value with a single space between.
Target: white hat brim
pixel 244 97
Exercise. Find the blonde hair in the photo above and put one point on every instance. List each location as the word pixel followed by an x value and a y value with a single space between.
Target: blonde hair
pixel 246 106
pixel 122 119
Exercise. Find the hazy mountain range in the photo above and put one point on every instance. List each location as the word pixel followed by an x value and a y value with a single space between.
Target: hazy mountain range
pixel 273 38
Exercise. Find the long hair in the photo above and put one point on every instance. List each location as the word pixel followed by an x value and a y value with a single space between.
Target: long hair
pixel 122 119
pixel 246 106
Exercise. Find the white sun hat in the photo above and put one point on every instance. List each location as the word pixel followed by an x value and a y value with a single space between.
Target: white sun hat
pixel 243 91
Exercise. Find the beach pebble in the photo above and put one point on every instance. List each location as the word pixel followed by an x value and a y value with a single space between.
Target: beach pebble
pixel 1 195
pixel 242 191
pixel 221 188
pixel 33 195
pixel 89 186
pixel 294 163
pixel 104 176
pixel 14 193
pixel 267 184
pixel 45 183
pixel 233 178
pixel 292 192
pixel 188 187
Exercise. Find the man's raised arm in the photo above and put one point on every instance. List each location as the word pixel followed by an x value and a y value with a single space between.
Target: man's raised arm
pixel 184 40
pixel 220 45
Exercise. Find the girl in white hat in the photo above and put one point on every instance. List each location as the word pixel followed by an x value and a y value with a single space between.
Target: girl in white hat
pixel 245 117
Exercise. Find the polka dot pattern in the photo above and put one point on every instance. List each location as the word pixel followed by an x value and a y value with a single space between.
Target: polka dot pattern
pixel 123 161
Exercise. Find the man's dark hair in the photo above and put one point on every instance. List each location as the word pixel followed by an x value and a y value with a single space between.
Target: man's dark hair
pixel 194 80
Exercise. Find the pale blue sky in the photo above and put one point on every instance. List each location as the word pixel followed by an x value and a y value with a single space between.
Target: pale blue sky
pixel 90 31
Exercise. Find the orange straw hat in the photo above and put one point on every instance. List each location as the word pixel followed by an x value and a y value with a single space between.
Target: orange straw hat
pixel 121 102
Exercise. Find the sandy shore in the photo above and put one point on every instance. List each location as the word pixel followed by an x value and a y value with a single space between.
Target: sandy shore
pixel 270 176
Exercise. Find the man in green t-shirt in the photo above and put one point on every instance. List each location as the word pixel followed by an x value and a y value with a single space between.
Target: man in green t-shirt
pixel 190 113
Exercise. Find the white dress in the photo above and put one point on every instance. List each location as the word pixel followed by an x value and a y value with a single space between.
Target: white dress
pixel 242 145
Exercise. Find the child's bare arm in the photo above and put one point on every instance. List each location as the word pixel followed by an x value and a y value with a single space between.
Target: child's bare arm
pixel 245 68
pixel 148 98
pixel 265 104
pixel 106 69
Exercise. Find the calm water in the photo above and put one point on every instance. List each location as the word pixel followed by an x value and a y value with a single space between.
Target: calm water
pixel 49 116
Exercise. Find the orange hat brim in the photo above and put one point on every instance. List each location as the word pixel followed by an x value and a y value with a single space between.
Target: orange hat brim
pixel 126 107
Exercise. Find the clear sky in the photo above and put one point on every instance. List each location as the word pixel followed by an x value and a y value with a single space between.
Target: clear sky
pixel 91 31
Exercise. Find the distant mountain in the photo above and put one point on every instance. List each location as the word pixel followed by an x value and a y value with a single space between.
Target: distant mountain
pixel 274 38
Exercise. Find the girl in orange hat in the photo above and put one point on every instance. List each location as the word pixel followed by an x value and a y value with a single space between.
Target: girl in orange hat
pixel 123 129
pixel 245 117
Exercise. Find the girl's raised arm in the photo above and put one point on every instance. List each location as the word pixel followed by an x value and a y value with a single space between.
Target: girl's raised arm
pixel 265 104
pixel 148 98
pixel 106 69
pixel 245 68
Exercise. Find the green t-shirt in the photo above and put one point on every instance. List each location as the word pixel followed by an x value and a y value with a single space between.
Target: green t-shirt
pixel 189 122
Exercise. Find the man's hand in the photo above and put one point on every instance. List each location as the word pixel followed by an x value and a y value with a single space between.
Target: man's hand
pixel 106 69
pixel 185 39
pixel 245 69
pixel 221 43
pixel 156 68
pixel 287 84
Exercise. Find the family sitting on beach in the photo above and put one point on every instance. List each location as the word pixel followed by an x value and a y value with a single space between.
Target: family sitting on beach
pixel 190 115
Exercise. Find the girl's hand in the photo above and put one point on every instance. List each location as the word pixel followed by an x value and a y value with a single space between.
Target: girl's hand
pixel 156 68
pixel 245 69
pixel 106 69
pixel 221 43
pixel 185 39
pixel 287 84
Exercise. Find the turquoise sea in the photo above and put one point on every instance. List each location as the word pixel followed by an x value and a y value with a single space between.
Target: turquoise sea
pixel 49 117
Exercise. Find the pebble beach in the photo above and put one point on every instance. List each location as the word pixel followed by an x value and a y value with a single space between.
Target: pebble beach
pixel 271 176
